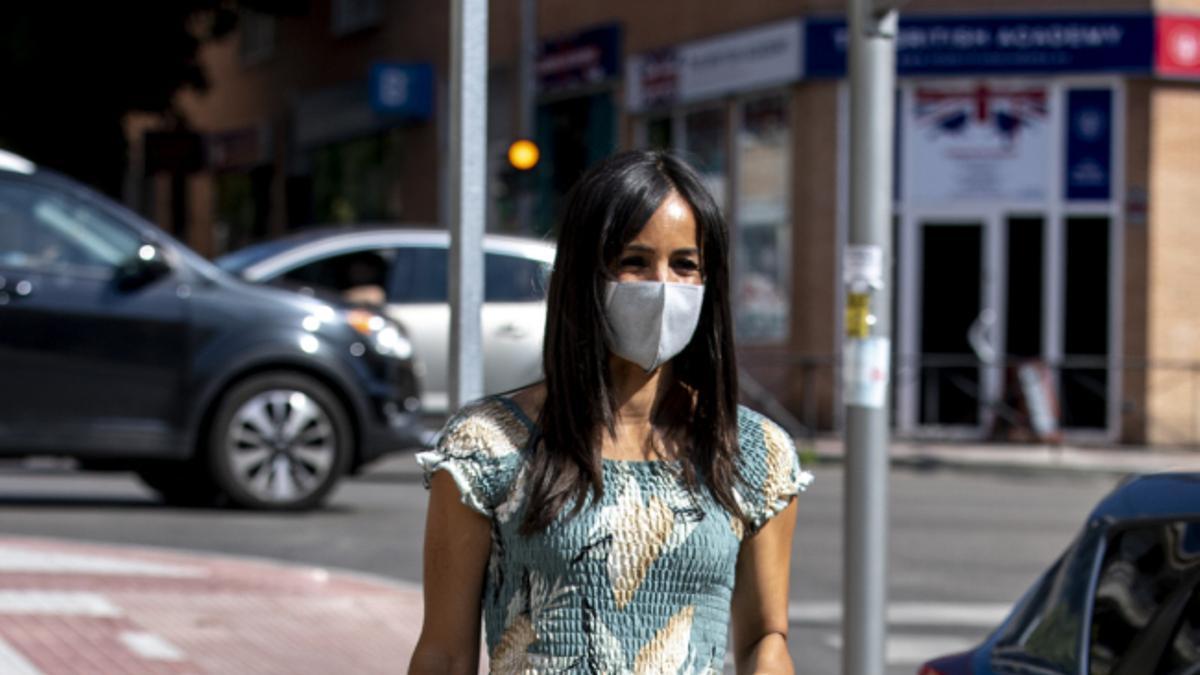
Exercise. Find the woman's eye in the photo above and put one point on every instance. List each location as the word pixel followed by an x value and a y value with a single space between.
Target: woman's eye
pixel 632 261
pixel 690 265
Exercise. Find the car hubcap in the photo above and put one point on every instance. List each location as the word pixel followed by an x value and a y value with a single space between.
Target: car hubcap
pixel 281 445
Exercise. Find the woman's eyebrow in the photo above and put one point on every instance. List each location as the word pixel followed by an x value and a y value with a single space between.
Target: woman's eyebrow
pixel 642 248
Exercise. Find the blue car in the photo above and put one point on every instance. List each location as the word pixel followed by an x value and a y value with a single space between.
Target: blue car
pixel 1121 600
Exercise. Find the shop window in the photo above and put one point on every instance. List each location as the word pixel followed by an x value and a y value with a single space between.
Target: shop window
pixel 359 180
pixel 704 135
pixel 349 16
pixel 1085 323
pixel 257 34
pixel 658 133
pixel 1023 336
pixel 762 250
pixel 243 207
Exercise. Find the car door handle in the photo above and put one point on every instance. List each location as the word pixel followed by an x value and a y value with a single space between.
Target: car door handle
pixel 512 331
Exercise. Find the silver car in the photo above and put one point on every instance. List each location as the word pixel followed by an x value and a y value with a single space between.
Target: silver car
pixel 405 271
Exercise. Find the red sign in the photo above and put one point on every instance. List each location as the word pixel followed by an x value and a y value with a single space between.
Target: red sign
pixel 1177 46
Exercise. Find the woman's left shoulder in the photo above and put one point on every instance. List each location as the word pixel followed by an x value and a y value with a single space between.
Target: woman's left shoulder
pixel 770 467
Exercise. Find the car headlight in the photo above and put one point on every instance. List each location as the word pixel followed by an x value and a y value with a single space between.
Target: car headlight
pixel 383 335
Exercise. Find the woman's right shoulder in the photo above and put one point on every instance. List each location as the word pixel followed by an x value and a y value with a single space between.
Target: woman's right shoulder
pixel 482 447
pixel 494 425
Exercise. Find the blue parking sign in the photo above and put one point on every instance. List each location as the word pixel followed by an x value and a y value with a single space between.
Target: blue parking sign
pixel 402 89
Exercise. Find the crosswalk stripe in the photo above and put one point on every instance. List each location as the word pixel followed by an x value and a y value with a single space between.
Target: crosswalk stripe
pixel 58 603
pixel 12 663
pixel 971 615
pixel 16 559
pixel 151 646
pixel 912 649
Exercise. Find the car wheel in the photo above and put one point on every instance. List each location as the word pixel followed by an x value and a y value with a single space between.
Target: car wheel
pixel 279 441
pixel 181 483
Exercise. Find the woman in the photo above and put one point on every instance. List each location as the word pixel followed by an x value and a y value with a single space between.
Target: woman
pixel 620 515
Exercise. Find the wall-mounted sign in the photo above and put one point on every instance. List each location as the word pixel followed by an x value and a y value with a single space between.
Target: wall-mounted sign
pixel 997 44
pixel 581 59
pixel 976 141
pixel 751 59
pixel 402 89
pixel 1089 144
pixel 1177 52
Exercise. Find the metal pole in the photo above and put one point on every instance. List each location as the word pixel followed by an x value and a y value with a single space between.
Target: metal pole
pixel 867 348
pixel 468 208
pixel 527 91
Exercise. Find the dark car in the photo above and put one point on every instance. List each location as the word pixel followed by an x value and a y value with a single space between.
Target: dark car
pixel 123 349
pixel 1122 599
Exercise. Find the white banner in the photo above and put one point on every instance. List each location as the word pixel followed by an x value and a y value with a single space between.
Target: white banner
pixel 756 58
pixel 977 141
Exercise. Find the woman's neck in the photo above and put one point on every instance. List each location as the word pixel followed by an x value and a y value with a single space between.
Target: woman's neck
pixel 638 393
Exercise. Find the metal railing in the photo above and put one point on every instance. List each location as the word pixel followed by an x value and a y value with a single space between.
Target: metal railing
pixel 1158 400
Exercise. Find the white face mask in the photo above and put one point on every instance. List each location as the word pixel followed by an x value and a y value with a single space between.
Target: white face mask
pixel 651 321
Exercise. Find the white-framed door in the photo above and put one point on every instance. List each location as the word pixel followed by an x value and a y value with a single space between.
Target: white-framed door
pixel 951 320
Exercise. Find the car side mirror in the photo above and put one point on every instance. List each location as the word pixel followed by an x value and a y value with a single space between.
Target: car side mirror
pixel 148 265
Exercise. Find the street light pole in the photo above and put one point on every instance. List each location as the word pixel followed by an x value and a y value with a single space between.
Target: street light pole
pixel 527 108
pixel 468 195
pixel 867 347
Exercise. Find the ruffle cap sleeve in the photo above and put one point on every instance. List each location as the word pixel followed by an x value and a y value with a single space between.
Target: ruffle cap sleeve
pixel 770 465
pixel 481 447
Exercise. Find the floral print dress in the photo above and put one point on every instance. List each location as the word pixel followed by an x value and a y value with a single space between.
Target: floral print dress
pixel 641 582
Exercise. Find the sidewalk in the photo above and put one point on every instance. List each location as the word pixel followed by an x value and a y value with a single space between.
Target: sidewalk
pixel 1019 457
pixel 86 608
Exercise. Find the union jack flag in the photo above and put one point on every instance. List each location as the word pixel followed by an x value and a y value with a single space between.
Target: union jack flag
pixel 1006 111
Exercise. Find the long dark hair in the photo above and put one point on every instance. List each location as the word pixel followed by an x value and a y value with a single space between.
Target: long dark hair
pixel 605 210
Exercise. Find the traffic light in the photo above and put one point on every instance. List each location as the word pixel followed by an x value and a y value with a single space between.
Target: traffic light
pixel 523 154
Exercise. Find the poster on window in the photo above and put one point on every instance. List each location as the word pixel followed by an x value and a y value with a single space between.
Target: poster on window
pixel 977 141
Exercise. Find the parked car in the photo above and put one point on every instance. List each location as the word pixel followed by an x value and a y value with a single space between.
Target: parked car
pixel 405 270
pixel 1121 600
pixel 123 349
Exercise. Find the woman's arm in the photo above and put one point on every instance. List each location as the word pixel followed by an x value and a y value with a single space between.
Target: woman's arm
pixel 458 542
pixel 760 597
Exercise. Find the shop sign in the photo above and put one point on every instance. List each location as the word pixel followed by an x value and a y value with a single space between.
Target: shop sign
pixel 997 44
pixel 402 89
pixel 1177 53
pixel 582 59
pixel 652 80
pixel 1089 144
pixel 727 64
pixel 977 142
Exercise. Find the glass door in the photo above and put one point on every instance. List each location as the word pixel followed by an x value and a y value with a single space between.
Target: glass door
pixel 952 323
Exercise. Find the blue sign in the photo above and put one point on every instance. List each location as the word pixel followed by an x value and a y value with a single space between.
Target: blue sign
pixel 1089 144
pixel 585 58
pixel 402 89
pixel 997 44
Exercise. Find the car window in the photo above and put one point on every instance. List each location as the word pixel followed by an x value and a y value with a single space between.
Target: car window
pixel 1047 631
pixel 511 278
pixel 43 229
pixel 419 276
pixel 1146 585
pixel 341 273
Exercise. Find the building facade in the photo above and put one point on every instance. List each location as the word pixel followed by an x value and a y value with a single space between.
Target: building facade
pixel 1045 163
